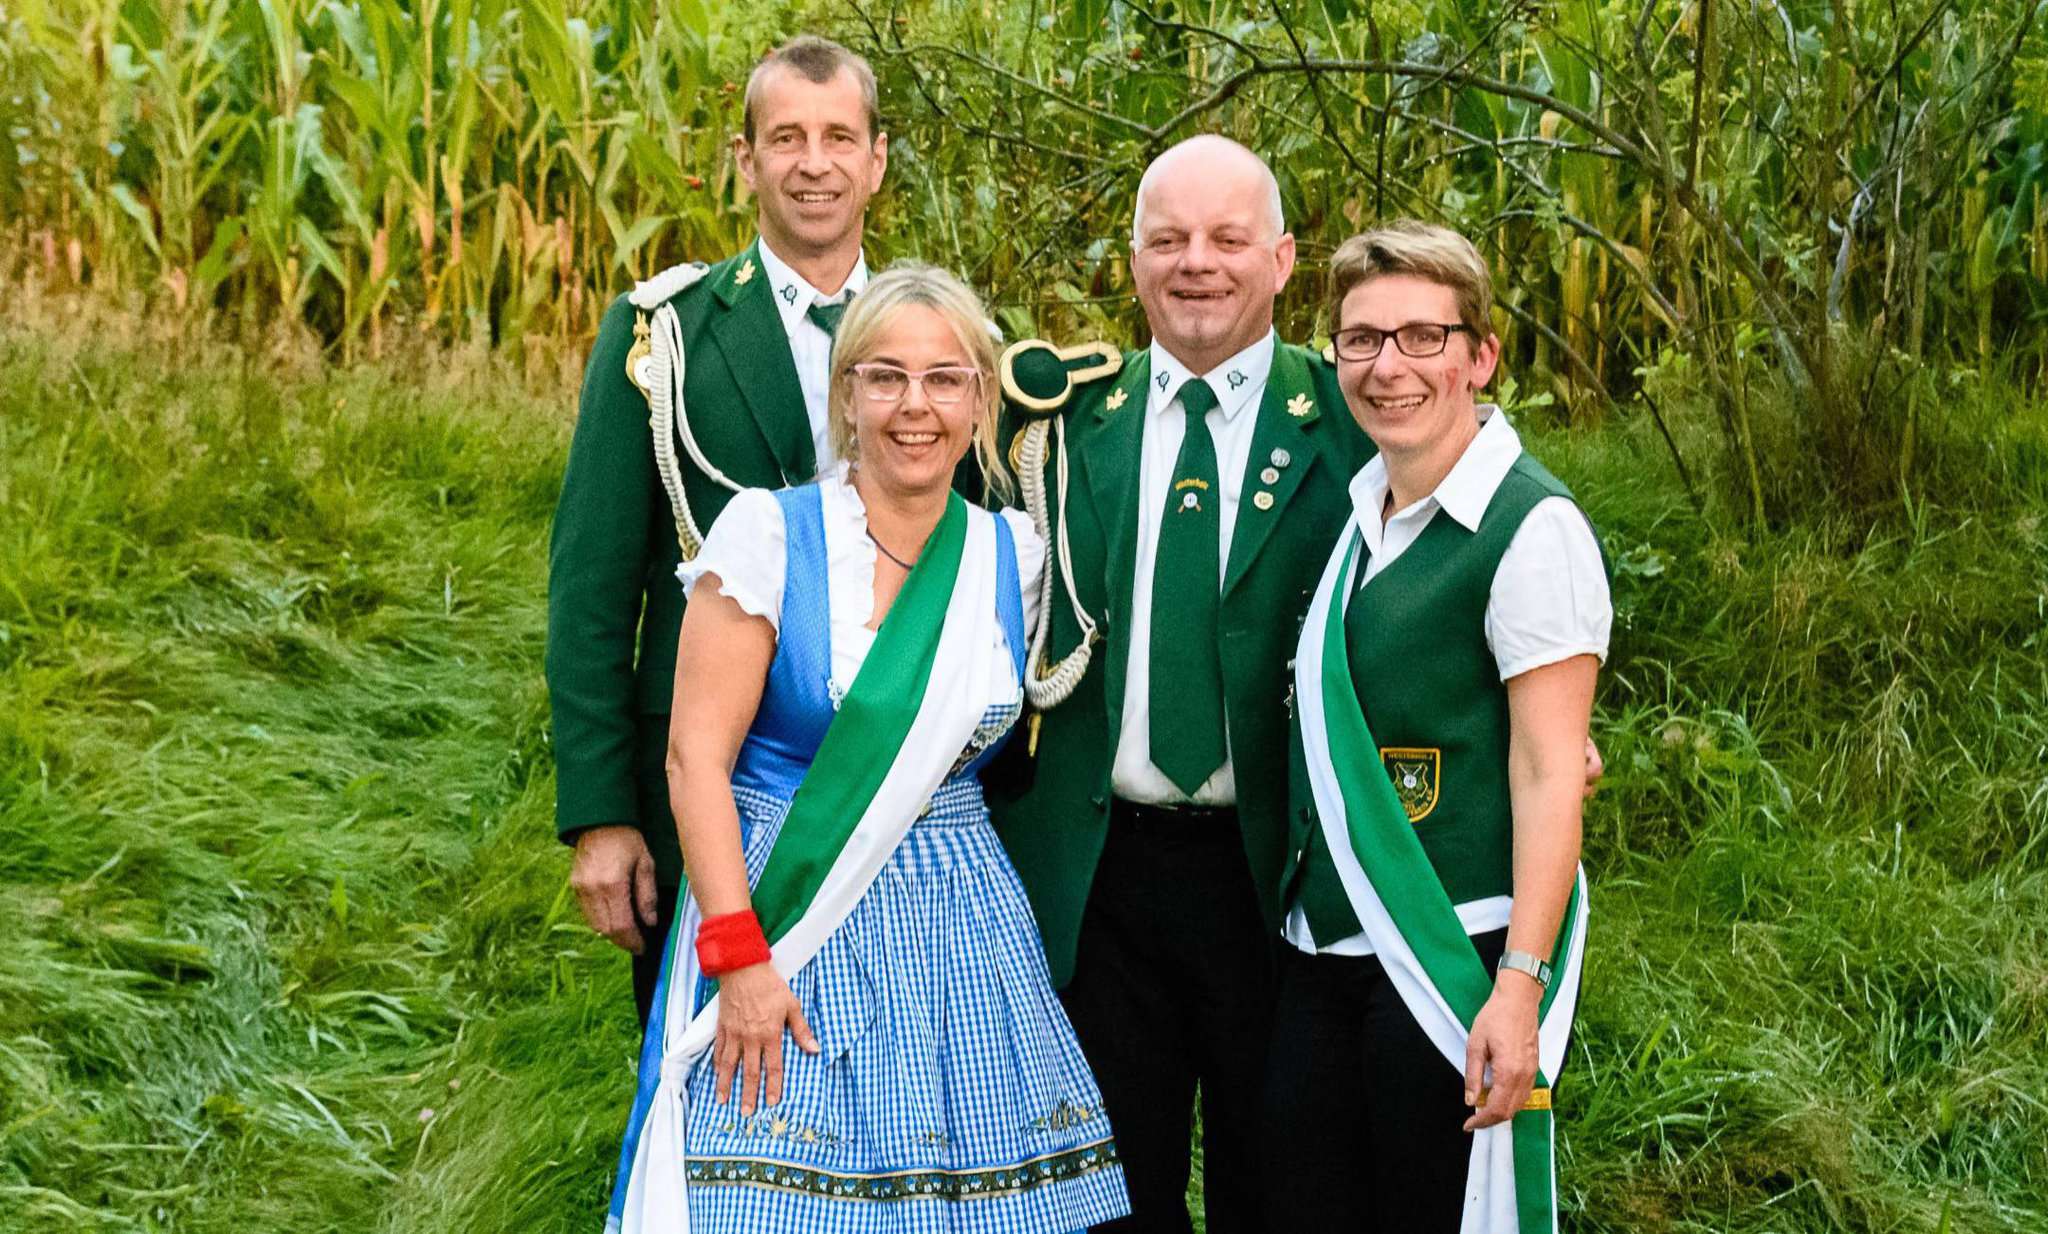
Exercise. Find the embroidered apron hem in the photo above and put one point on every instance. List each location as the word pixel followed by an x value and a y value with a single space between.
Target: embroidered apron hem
pixel 925 1184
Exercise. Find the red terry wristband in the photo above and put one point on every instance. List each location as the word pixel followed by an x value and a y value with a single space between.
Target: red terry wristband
pixel 730 941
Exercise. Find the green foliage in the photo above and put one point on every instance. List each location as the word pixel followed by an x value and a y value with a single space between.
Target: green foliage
pixel 289 942
pixel 481 166
pixel 1787 196
pixel 1847 183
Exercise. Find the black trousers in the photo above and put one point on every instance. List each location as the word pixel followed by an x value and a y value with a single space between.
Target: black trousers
pixel 1172 992
pixel 647 965
pixel 1364 1118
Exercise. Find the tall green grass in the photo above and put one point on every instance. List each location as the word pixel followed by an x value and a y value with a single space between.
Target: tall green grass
pixel 275 867
pixel 284 938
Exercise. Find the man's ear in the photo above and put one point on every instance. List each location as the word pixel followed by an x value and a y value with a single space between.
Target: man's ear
pixel 743 159
pixel 1283 257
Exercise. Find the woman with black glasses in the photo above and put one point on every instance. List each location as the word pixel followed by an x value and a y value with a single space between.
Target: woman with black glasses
pixel 1443 689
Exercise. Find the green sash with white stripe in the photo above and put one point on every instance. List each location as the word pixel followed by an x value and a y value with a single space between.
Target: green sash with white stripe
pixel 1415 931
pixel 861 743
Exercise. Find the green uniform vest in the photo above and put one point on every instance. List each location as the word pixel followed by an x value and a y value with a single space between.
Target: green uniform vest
pixel 1432 695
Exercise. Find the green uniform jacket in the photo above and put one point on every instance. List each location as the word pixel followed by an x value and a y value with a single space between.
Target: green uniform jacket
pixel 1052 811
pixel 614 606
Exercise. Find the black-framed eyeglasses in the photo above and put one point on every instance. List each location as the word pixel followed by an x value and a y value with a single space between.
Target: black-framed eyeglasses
pixel 1418 340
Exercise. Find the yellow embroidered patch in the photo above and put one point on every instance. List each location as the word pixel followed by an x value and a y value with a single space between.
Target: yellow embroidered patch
pixel 1416 775
pixel 1190 482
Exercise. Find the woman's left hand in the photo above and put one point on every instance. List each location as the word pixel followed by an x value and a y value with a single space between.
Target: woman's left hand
pixel 1503 1038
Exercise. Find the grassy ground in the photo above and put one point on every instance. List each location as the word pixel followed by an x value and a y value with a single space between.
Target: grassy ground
pixel 286 944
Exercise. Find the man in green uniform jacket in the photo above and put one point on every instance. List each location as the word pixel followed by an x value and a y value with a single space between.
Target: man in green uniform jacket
pixel 1206 479
pixel 754 333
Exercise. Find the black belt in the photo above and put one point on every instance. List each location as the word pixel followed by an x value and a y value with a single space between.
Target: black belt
pixel 1183 817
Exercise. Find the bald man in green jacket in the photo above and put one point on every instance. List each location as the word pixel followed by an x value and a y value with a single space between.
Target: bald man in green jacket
pixel 1206 479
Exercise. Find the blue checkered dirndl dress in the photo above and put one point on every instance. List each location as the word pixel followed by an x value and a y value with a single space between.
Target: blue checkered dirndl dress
pixel 948 1095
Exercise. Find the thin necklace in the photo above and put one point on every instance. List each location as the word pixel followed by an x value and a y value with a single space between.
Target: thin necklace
pixel 884 551
pixel 879 546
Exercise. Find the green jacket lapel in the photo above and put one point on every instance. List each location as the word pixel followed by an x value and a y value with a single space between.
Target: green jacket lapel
pixel 1113 457
pixel 1288 408
pixel 756 348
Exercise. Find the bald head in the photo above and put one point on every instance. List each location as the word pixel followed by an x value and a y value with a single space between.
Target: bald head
pixel 1203 164
pixel 1208 250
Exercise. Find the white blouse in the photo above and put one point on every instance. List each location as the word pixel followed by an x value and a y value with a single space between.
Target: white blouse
pixel 747 549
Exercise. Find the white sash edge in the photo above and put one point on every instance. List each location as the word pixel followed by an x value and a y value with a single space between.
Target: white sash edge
pixel 657 1193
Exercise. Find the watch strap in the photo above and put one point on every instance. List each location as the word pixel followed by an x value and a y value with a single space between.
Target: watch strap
pixel 1523 962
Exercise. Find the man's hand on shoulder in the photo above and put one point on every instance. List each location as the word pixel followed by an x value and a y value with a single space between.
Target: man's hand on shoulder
pixel 613 878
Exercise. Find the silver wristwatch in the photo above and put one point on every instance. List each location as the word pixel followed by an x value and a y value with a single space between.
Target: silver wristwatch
pixel 1523 962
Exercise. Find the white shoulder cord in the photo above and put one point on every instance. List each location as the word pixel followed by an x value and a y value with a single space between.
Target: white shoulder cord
pixel 659 371
pixel 663 369
pixel 670 330
pixel 1047 690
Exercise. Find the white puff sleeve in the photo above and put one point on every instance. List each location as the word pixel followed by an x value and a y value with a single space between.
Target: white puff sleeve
pixel 1549 600
pixel 747 549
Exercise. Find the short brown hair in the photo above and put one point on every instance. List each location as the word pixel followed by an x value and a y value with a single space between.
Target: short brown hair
pixel 1424 250
pixel 818 60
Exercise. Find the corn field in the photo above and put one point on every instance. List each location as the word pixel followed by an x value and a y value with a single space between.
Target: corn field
pixel 1827 204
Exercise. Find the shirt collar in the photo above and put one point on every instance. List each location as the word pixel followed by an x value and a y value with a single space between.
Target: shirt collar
pixel 1237 381
pixel 794 296
pixel 1464 494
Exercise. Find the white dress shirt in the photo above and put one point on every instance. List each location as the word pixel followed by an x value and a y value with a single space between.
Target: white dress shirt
pixel 1239 384
pixel 809 346
pixel 1549 599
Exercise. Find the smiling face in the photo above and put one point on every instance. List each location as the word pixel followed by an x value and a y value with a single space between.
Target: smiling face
pixel 1411 406
pixel 911 446
pixel 812 163
pixel 1208 256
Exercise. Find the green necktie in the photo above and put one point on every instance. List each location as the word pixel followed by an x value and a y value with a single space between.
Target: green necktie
pixel 1186 694
pixel 827 316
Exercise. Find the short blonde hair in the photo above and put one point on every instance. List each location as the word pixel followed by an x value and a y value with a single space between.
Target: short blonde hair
pixel 904 285
pixel 1425 251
